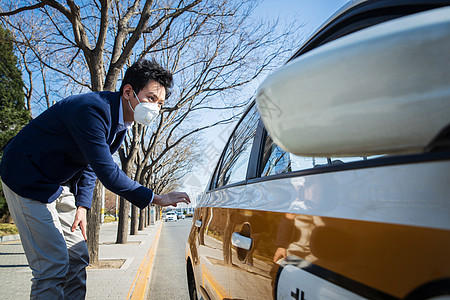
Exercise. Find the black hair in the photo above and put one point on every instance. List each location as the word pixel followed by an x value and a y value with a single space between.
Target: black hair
pixel 142 72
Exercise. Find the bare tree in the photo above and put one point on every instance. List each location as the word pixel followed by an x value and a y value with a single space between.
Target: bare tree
pixel 213 48
pixel 33 70
pixel 165 178
pixel 212 67
pixel 29 88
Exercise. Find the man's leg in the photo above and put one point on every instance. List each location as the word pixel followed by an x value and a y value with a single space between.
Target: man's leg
pixel 43 243
pixel 75 286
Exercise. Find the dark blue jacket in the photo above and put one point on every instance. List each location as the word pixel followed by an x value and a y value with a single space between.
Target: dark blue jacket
pixel 72 141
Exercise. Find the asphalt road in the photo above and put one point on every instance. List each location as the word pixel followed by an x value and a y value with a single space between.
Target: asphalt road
pixel 168 279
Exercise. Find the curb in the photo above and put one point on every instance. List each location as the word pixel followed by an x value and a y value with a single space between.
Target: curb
pixel 8 238
pixel 139 288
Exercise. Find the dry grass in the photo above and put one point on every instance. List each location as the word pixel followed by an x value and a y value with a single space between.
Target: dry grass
pixel 8 229
pixel 109 219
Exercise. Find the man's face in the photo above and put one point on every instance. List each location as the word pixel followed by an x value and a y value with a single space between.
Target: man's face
pixel 153 92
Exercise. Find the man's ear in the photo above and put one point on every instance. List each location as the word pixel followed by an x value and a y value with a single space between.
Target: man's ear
pixel 127 92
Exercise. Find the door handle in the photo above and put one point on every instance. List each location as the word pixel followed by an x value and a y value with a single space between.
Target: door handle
pixel 198 223
pixel 240 241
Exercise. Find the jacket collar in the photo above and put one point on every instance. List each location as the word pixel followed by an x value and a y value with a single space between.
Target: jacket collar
pixel 114 101
pixel 122 124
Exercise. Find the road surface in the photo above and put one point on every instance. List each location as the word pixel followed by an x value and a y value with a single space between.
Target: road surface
pixel 168 279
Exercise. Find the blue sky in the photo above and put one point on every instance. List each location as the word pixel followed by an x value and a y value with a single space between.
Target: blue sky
pixel 312 12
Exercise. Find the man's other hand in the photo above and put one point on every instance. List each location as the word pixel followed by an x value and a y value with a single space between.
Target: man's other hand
pixel 171 199
pixel 80 220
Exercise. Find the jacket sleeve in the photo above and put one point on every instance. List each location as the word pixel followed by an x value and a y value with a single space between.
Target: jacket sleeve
pixel 85 188
pixel 89 127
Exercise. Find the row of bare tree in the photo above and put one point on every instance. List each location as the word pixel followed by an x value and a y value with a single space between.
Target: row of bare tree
pixel 214 48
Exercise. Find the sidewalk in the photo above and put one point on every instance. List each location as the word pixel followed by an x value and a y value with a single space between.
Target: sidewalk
pixel 128 282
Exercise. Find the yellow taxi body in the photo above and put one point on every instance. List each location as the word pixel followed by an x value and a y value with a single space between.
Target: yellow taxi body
pixel 362 211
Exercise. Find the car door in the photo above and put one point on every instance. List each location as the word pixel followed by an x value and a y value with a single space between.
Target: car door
pixel 353 227
pixel 258 217
pixel 215 215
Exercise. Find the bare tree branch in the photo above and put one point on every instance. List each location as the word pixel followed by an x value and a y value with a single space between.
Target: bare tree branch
pixel 22 9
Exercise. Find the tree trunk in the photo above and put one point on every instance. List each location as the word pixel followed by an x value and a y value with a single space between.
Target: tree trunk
pixel 141 219
pixel 134 220
pixel 122 229
pixel 227 254
pixel 93 225
pixel 124 209
pixel 145 217
pixel 205 220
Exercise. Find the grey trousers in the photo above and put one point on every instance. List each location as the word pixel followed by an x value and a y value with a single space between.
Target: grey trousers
pixel 57 256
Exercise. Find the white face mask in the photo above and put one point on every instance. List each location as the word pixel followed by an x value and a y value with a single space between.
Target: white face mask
pixel 144 113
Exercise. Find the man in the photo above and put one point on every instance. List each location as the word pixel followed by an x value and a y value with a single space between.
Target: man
pixel 49 170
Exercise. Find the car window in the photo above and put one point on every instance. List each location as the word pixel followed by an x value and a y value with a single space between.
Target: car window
pixel 277 161
pixel 234 162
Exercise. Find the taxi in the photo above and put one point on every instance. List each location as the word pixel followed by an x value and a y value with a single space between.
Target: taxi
pixel 335 183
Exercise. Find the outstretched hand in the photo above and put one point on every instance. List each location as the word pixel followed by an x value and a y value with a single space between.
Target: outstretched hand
pixel 171 199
